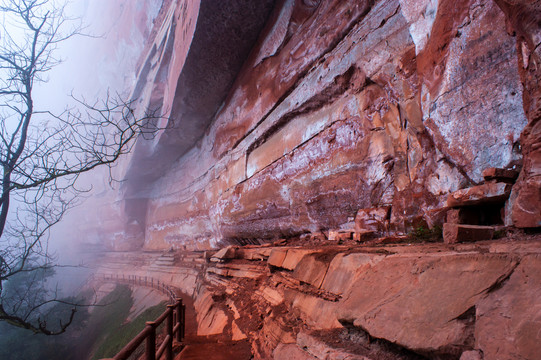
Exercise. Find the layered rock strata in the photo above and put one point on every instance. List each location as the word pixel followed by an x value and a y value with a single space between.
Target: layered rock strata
pixel 338 108
pixel 393 302
pixel 342 122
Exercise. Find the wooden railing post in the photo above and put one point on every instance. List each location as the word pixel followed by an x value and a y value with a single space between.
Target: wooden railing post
pixel 179 319
pixel 182 319
pixel 169 325
pixel 150 349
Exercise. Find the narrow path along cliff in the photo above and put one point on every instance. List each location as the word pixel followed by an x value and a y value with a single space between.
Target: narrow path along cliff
pixel 393 301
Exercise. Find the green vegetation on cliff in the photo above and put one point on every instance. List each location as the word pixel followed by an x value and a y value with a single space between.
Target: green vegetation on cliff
pixel 109 323
pixel 95 334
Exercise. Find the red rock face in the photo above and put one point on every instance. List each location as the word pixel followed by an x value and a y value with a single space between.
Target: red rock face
pixel 467 301
pixel 478 97
pixel 499 332
pixel 341 107
pixel 524 19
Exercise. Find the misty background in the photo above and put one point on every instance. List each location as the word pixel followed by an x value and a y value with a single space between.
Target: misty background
pixel 104 59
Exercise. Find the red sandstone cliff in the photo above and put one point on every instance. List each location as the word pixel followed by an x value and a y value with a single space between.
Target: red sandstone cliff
pixel 337 107
pixel 334 118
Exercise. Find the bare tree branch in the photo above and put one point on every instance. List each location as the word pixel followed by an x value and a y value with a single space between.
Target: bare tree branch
pixel 43 154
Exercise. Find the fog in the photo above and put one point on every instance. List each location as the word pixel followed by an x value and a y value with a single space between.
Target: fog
pixel 103 59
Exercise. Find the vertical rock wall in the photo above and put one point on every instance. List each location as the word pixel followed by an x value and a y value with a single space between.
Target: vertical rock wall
pixel 524 21
pixel 342 106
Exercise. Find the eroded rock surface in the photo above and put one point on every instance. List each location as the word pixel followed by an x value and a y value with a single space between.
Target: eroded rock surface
pixel 393 302
pixel 338 108
pixel 347 119
pixel 387 105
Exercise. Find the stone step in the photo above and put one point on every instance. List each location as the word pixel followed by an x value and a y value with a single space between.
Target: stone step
pixel 192 261
pixel 161 266
pixel 159 269
pixel 164 260
pixel 455 233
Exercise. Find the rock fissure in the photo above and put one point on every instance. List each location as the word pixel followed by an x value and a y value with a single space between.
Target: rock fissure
pixel 502 279
pixel 326 128
pixel 341 84
pixel 447 158
pixel 300 78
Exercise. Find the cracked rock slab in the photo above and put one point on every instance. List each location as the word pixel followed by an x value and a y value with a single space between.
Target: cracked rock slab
pixel 455 233
pixel 492 192
pixel 508 322
pixel 420 302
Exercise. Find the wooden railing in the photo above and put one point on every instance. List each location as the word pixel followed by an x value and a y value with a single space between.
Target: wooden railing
pixel 142 281
pixel 174 315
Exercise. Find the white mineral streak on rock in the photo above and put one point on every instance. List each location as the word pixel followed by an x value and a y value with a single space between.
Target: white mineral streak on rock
pixel 477 67
pixel 444 180
pixel 421 15
pixel 277 34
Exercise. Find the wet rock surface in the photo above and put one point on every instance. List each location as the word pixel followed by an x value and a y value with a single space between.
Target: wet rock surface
pixel 398 301
pixel 384 105
pixel 338 110
pixel 311 166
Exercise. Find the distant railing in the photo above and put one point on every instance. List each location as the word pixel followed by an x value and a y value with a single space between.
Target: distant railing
pixel 142 281
pixel 174 315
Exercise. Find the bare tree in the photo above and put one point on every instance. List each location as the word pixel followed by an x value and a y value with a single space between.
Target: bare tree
pixel 42 155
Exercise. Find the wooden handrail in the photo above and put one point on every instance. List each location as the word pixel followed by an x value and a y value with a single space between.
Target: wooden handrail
pixel 133 344
pixel 175 314
pixel 141 281
pixel 150 347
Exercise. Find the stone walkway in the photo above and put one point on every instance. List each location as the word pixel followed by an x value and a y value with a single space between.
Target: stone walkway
pixel 209 347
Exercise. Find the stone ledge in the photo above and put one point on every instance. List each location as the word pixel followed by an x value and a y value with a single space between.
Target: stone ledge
pixel 498 174
pixel 455 233
pixel 492 192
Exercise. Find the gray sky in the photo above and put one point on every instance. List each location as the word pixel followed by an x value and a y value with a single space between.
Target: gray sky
pixel 91 66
